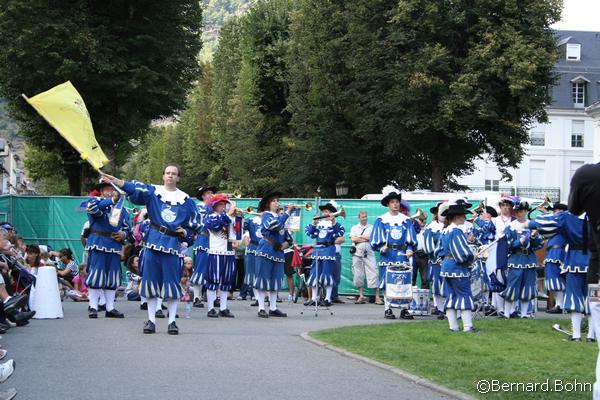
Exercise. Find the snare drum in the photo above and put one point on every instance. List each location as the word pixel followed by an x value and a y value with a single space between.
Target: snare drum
pixel 398 282
pixel 420 301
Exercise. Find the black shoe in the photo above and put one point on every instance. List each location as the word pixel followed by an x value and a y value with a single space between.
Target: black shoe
pixel 263 314
pixel 436 312
pixel 114 313
pixel 337 300
pixel 277 313
pixel 441 316
pixel 404 314
pixel 255 304
pixel 324 303
pixel 310 303
pixel 572 339
pixel 173 329
pixel 159 314
pixel 163 307
pixel 491 313
pixel 149 327
pixel 472 330
pixel 212 313
pixel 515 314
pixel 279 300
pixel 93 313
pixel 23 317
pixel 388 314
pixel 13 304
pixel 226 313
pixel 144 306
pixel 590 340
pixel 198 303
pixel 102 307
pixel 555 310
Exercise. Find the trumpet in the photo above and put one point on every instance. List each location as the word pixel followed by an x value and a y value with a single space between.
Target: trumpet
pixel 480 208
pixel 547 202
pixel 307 206
pixel 341 213
pixel 420 214
pixel 236 194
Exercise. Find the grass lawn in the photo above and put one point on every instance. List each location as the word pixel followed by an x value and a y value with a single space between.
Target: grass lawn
pixel 507 351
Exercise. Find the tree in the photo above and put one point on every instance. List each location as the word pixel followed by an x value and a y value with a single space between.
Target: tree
pixel 132 62
pixel 412 92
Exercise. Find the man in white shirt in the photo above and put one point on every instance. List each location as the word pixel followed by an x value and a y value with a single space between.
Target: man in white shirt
pixel 363 259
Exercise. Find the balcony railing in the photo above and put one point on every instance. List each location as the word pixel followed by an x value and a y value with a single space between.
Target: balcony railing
pixel 523 191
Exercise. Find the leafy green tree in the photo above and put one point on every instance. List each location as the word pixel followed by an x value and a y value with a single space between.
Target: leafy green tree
pixel 132 62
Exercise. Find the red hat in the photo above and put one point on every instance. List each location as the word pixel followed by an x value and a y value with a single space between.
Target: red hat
pixel 217 199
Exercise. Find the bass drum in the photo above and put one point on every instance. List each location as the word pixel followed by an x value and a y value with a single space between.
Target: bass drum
pixel 398 282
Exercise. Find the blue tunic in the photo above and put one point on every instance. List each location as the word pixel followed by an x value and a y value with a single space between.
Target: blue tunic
pixel 484 231
pixel 269 256
pixel 398 234
pixel 431 236
pixel 253 227
pixel 221 256
pixel 200 247
pixel 324 259
pixel 457 258
pixel 576 260
pixel 162 262
pixel 104 260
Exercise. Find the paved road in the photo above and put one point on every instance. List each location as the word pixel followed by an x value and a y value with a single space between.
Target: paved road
pixel 242 358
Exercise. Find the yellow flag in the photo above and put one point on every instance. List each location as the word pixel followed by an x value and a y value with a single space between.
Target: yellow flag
pixel 63 108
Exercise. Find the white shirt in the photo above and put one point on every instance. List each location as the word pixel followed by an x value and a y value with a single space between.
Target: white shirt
pixel 357 230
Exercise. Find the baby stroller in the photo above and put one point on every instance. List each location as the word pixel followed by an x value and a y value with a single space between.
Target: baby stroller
pixel 303 272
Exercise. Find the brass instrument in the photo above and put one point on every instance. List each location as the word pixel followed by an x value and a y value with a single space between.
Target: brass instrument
pixel 480 208
pixel 420 214
pixel 341 213
pixel 547 202
pixel 235 195
pixel 307 206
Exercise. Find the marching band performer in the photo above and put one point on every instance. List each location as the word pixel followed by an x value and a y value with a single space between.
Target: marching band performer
pixel 173 217
pixel 252 227
pixel 456 258
pixel 521 276
pixel 204 194
pixel 325 231
pixel 553 262
pixel 484 229
pixel 575 263
pixel 269 254
pixel 221 256
pixel 431 235
pixel 498 255
pixel 104 246
pixel 394 237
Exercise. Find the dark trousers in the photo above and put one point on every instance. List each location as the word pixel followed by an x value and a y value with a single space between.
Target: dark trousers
pixel 420 266
pixel 594 245
pixel 337 274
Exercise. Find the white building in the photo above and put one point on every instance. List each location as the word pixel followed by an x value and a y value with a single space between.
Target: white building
pixel 12 175
pixel 567 141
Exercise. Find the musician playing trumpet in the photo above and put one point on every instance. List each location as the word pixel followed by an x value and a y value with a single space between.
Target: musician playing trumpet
pixel 221 256
pixel 394 237
pixel 326 231
pixel 521 277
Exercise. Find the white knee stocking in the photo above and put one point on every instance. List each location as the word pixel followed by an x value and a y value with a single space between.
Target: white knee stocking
pixel 211 296
pixel 453 322
pixel 93 296
pixel 439 302
pixel 152 309
pixel 272 301
pixel 260 297
pixel 328 290
pixel 559 298
pixel 223 300
pixel 109 295
pixel 172 307
pixel 467 317
pixel 576 319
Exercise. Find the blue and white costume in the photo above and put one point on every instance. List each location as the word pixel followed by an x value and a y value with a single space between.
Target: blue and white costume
pixel 104 260
pixel 397 233
pixel 324 255
pixel 162 262
pixel 269 255
pixel 497 261
pixel 200 249
pixel 253 227
pixel 432 235
pixel 484 231
pixel 521 276
pixel 104 252
pixel 575 262
pixel 221 256
pixel 456 258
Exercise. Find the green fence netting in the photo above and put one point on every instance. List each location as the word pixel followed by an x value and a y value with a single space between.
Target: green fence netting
pixel 57 221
